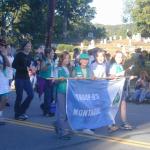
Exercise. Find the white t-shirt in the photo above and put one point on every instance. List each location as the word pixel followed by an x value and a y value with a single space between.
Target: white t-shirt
pixel 4 82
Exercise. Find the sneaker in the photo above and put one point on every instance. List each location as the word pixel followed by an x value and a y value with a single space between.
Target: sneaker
pixel 7 104
pixel 113 128
pixel 43 110
pixel 65 137
pixel 26 116
pixel 88 131
pixel 126 126
pixel 50 114
pixel 2 122
pixel 21 117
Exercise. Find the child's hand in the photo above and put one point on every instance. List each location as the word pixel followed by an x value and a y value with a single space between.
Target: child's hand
pixel 80 78
pixel 112 77
pixel 62 78
pixel 132 77
pixel 94 78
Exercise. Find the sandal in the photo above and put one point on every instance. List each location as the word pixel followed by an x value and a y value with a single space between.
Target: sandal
pixel 113 128
pixel 126 126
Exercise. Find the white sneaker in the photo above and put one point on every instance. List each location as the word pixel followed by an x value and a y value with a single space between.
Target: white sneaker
pixel 26 116
pixel 88 131
pixel 2 121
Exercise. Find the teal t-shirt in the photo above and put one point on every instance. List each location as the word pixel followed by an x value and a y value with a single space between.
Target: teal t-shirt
pixel 119 68
pixel 61 86
pixel 79 72
pixel 116 68
pixel 46 73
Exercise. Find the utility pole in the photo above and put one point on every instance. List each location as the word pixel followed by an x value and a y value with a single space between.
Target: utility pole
pixel 50 23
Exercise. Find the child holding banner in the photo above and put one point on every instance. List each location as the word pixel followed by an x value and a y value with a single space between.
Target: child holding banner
pixel 117 70
pixel 83 72
pixel 99 70
pixel 99 67
pixel 62 126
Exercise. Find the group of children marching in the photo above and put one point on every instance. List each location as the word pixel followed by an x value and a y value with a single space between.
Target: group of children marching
pixel 51 74
pixel 84 70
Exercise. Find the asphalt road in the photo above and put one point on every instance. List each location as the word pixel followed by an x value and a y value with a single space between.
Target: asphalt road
pixel 37 133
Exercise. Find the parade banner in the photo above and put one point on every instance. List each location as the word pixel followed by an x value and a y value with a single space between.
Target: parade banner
pixel 92 103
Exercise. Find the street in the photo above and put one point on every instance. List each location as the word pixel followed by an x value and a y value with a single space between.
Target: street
pixel 37 133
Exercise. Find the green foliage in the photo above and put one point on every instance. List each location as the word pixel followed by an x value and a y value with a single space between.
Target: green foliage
pixel 76 10
pixel 10 12
pixel 74 15
pixel 26 16
pixel 34 21
pixel 85 42
pixel 127 9
pixel 118 30
pixel 141 16
pixel 80 31
pixel 65 47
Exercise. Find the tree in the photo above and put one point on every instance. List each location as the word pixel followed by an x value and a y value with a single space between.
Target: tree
pixel 73 12
pixel 141 16
pixel 19 18
pixel 10 12
pixel 34 21
pixel 50 23
pixel 128 6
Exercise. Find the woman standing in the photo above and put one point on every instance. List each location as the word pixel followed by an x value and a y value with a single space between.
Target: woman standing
pixel 21 63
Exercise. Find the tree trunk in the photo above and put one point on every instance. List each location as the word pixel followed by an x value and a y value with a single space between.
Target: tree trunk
pixel 65 20
pixel 50 23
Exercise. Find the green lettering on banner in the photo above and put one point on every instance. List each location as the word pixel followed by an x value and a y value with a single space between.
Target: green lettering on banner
pixel 116 99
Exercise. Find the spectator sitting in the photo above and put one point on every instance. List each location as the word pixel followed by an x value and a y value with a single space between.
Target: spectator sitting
pixel 142 88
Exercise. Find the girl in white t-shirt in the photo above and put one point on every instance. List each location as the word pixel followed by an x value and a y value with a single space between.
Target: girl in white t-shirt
pixel 4 86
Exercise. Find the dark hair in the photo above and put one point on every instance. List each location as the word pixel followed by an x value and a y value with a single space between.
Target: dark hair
pixel 4 61
pixel 146 75
pixel 76 52
pixel 113 58
pixel 100 51
pixel 23 44
pixel 3 42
